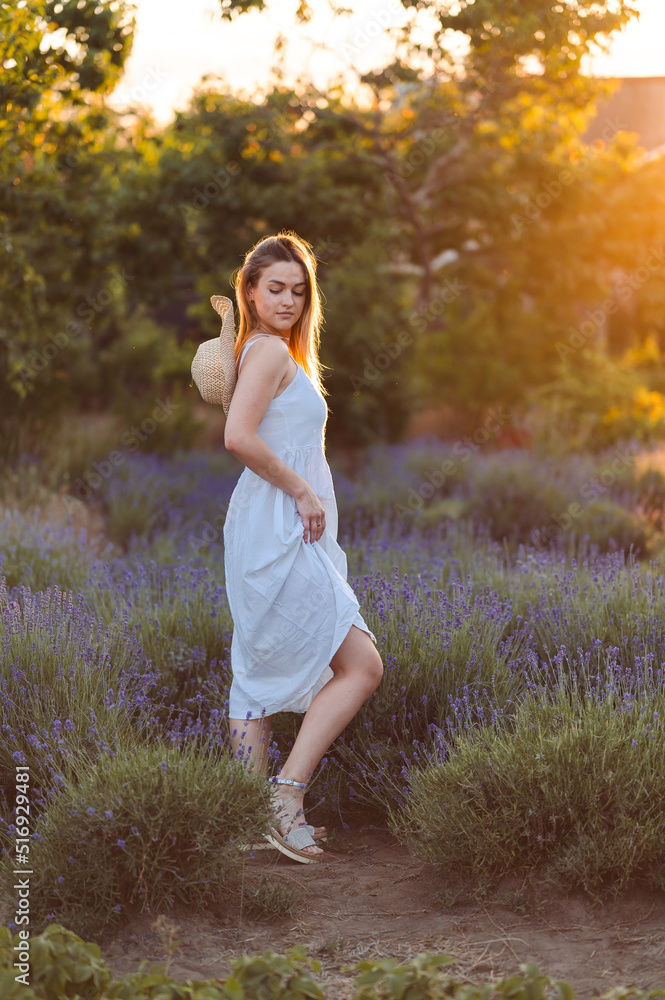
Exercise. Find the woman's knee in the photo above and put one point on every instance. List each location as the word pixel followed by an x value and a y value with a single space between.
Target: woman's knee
pixel 358 657
pixel 375 670
pixel 371 670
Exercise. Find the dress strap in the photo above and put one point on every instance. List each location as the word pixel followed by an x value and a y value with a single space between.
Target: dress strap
pixel 248 345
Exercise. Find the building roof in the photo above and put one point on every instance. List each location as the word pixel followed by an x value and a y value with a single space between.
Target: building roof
pixel 637 105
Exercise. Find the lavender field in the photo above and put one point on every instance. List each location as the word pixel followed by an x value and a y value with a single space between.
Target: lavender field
pixel 518 602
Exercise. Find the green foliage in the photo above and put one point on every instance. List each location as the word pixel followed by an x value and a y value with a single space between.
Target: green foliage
pixel 593 402
pixel 387 979
pixel 368 189
pixel 97 42
pixel 610 527
pixel 64 966
pixel 244 153
pixel 56 180
pixel 528 502
pixel 144 215
pixel 275 977
pixel 420 979
pixel 513 499
pixel 145 829
pixel 573 785
pixel 541 208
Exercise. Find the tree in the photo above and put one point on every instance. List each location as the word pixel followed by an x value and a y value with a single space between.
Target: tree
pixel 56 182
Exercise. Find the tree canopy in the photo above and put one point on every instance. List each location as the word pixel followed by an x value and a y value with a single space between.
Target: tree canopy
pixel 461 224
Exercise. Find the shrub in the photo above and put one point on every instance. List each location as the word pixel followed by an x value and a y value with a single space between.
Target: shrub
pixel 394 479
pixel 276 977
pixel 40 556
pixel 71 685
pixel 511 500
pixel 447 661
pixel 609 527
pixel 388 979
pixel 142 830
pixel 575 784
pixel 180 613
pixel 435 514
pixel 593 402
pixel 420 979
pixel 650 491
pixel 184 495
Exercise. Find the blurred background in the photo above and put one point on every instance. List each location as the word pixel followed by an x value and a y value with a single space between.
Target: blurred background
pixel 484 193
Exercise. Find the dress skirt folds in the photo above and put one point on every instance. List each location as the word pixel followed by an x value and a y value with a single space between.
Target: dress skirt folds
pixel 290 601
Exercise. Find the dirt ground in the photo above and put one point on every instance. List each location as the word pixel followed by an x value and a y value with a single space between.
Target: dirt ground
pixel 370 899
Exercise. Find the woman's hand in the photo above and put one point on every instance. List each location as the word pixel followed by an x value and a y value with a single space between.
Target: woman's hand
pixel 312 513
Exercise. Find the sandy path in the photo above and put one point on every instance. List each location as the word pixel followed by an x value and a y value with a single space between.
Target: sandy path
pixel 370 899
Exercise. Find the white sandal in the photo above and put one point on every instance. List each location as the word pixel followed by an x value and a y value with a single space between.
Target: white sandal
pixel 294 840
pixel 322 839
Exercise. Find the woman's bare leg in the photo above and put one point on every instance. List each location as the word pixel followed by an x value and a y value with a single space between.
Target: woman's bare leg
pixel 250 739
pixel 358 670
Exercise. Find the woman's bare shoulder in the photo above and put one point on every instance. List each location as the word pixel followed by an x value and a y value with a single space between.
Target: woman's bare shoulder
pixel 270 352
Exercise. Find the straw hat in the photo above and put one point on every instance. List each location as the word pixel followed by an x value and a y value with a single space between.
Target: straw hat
pixel 214 366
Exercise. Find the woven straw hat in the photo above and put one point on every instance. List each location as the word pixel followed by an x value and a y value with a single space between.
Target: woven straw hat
pixel 214 366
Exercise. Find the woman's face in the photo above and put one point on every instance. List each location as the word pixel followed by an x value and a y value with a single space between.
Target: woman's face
pixel 279 297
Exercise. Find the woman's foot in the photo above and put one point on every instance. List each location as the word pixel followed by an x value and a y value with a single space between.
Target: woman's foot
pixel 289 802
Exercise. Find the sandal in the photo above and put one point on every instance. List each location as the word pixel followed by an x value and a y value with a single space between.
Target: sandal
pixel 295 839
pixel 318 838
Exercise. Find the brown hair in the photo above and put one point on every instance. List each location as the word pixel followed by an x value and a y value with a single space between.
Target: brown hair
pixel 306 332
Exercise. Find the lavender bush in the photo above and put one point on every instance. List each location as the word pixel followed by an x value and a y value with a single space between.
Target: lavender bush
pixel 572 788
pixel 146 829
pixel 469 622
pixel 72 687
pixel 38 556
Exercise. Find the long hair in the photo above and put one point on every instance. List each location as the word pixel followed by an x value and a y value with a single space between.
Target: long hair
pixel 306 331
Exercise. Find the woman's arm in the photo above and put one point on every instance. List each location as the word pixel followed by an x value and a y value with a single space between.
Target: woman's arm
pixel 262 371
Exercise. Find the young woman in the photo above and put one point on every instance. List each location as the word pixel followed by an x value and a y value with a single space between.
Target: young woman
pixel 299 642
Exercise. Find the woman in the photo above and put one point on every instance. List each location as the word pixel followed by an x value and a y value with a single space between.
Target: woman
pixel 299 642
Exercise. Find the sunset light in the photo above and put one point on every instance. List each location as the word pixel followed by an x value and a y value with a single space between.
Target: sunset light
pixel 175 46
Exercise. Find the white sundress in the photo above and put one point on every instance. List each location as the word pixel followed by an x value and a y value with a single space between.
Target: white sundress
pixel 290 601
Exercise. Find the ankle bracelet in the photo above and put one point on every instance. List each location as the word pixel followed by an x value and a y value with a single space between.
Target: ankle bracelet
pixel 289 781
